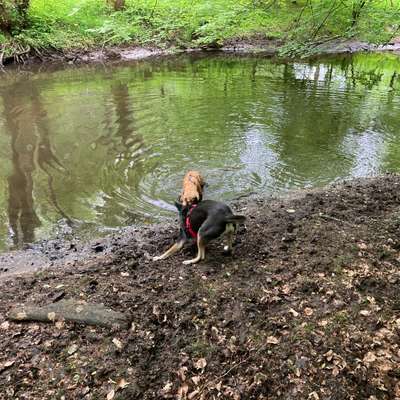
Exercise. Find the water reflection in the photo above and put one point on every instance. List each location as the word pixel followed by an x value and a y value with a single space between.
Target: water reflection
pixel 25 123
pixel 125 148
pixel 97 148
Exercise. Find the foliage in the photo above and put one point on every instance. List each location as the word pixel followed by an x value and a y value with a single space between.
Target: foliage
pixel 186 23
pixel 13 15
pixel 317 21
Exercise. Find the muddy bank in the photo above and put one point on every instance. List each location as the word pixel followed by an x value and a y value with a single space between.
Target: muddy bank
pixel 308 308
pixel 252 46
pixel 328 47
pixel 61 253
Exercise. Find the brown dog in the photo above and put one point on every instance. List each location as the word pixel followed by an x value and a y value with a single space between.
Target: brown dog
pixel 192 191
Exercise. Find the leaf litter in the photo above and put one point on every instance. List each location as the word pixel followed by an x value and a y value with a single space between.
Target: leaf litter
pixel 313 317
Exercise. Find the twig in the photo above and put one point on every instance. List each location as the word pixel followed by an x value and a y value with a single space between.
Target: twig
pixel 393 35
pixel 154 9
pixel 273 2
pixel 321 41
pixel 325 216
pixel 1 58
pixel 325 19
pixel 297 20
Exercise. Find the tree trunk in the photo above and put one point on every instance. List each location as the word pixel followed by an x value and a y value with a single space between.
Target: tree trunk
pixel 356 12
pixel 22 9
pixel 5 23
pixel 13 15
pixel 117 5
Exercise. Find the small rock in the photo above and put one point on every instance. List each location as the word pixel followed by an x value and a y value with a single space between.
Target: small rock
pixel 72 349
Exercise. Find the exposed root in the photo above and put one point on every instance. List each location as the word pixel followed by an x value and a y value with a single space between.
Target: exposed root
pixel 14 51
pixel 1 56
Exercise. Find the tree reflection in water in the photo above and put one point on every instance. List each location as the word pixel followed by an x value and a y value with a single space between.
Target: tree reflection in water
pixel 25 122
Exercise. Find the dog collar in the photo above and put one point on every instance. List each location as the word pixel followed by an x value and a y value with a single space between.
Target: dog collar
pixel 188 225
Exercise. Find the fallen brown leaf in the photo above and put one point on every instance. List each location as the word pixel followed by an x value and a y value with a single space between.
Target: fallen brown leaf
pixel 118 344
pixel 5 325
pixel 308 311
pixel 193 394
pixel 72 349
pixel 182 373
pixel 294 312
pixel 200 363
pixel 369 358
pixel 183 391
pixel 272 340
pixel 196 379
pixel 122 384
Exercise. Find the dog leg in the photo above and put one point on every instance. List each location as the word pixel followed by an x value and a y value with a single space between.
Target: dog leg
pixel 229 231
pixel 201 252
pixel 174 249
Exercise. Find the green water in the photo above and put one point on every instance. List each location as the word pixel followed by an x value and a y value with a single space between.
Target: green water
pixel 90 149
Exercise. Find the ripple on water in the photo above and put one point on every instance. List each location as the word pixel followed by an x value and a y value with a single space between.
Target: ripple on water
pixel 109 147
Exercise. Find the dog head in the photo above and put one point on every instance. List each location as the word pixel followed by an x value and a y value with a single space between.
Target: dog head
pixel 192 191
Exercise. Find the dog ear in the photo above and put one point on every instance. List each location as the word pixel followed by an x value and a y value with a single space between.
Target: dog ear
pixel 178 206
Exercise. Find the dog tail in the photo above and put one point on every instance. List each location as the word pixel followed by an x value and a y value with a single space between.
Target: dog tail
pixel 236 219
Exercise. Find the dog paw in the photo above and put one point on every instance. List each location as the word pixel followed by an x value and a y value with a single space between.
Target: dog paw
pixel 157 258
pixel 188 262
pixel 227 250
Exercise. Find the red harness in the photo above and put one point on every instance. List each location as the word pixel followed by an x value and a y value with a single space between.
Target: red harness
pixel 188 225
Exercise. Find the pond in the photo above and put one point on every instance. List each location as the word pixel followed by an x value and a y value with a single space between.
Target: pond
pixel 85 150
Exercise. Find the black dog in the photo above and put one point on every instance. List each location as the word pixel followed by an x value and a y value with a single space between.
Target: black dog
pixel 204 221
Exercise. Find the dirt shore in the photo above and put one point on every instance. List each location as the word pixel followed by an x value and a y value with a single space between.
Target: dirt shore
pixel 257 45
pixel 307 308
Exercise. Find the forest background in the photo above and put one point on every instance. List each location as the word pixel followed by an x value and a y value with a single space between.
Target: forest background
pixel 45 26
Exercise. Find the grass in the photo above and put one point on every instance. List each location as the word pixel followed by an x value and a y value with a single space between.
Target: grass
pixel 82 24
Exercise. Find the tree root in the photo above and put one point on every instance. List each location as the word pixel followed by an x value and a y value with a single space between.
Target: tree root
pixel 14 51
